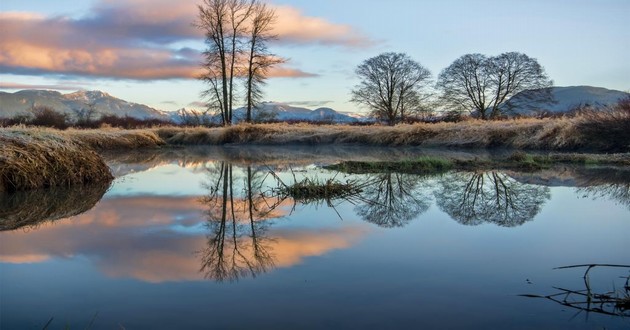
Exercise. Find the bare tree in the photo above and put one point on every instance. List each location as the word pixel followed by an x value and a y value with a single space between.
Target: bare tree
pixel 259 59
pixel 85 115
pixel 237 33
pixel 223 22
pixel 391 86
pixel 482 84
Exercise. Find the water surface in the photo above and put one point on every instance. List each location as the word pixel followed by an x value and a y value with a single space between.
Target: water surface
pixel 206 238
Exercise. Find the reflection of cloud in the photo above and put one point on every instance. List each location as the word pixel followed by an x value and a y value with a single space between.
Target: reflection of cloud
pixel 153 239
pixel 135 40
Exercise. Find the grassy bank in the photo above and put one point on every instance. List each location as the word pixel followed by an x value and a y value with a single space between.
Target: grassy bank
pixel 31 160
pixel 40 157
pixel 602 132
pixel 589 132
pixel 517 161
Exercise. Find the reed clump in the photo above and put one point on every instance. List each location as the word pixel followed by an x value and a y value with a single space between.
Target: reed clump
pixel 310 190
pixel 31 160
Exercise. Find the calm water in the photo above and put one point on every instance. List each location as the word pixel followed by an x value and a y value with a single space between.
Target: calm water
pixel 210 238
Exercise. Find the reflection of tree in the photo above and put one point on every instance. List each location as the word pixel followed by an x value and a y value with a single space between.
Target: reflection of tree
pixel 474 198
pixel 617 192
pixel 392 200
pixel 237 245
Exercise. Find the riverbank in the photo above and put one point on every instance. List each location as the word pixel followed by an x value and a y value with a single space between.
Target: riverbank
pixel 42 157
pixel 594 133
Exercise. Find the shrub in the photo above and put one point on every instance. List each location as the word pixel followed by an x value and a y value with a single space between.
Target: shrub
pixel 48 117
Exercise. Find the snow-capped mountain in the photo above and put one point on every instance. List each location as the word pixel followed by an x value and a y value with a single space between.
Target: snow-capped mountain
pixel 565 99
pixel 268 111
pixel 19 103
pixel 284 112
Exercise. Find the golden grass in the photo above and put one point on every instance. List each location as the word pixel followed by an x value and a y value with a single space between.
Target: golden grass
pixel 41 159
pixel 535 134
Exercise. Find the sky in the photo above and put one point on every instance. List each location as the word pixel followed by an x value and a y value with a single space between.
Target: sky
pixel 147 51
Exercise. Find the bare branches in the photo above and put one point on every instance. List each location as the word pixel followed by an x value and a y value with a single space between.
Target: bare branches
pixel 484 85
pixel 237 32
pixel 391 87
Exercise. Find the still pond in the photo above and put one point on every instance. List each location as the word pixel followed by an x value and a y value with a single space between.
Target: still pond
pixel 219 238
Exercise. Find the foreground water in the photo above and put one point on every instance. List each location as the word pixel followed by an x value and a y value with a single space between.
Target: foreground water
pixel 211 238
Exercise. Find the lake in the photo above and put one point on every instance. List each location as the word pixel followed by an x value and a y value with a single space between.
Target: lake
pixel 268 237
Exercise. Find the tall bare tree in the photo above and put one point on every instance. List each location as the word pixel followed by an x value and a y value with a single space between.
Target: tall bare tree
pixel 237 33
pixel 483 85
pixel 391 86
pixel 259 58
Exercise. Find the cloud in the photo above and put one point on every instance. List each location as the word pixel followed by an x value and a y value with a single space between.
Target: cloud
pixel 293 27
pixel 308 104
pixel 197 104
pixel 137 40
pixel 61 87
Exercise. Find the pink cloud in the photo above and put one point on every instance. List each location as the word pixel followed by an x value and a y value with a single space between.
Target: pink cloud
pixel 293 27
pixel 135 40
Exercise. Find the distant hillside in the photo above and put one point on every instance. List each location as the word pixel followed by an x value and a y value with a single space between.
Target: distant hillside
pixel 566 99
pixel 19 103
pixel 278 112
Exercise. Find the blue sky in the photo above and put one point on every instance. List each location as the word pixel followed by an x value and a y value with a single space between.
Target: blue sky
pixel 145 53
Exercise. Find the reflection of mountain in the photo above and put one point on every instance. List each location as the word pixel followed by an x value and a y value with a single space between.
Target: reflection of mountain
pixel 475 198
pixel 31 208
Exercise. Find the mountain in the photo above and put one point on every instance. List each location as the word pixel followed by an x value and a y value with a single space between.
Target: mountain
pixel 19 103
pixel 270 111
pixel 284 112
pixel 566 99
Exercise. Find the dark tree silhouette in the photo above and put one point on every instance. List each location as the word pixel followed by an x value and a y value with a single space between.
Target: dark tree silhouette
pixel 391 86
pixel 482 85
pixel 259 59
pixel 392 200
pixel 237 32
pixel 475 198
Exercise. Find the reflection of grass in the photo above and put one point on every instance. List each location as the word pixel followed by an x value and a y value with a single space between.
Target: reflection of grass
pixel 419 165
pixel 31 208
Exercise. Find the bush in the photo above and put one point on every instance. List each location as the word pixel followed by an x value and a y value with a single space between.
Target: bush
pixel 48 117
pixel 607 130
pixel 128 122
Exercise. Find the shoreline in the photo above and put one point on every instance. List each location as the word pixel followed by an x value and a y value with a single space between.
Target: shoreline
pixel 41 157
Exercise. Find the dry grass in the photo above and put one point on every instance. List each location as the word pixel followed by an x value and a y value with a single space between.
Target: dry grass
pixel 606 132
pixel 31 160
